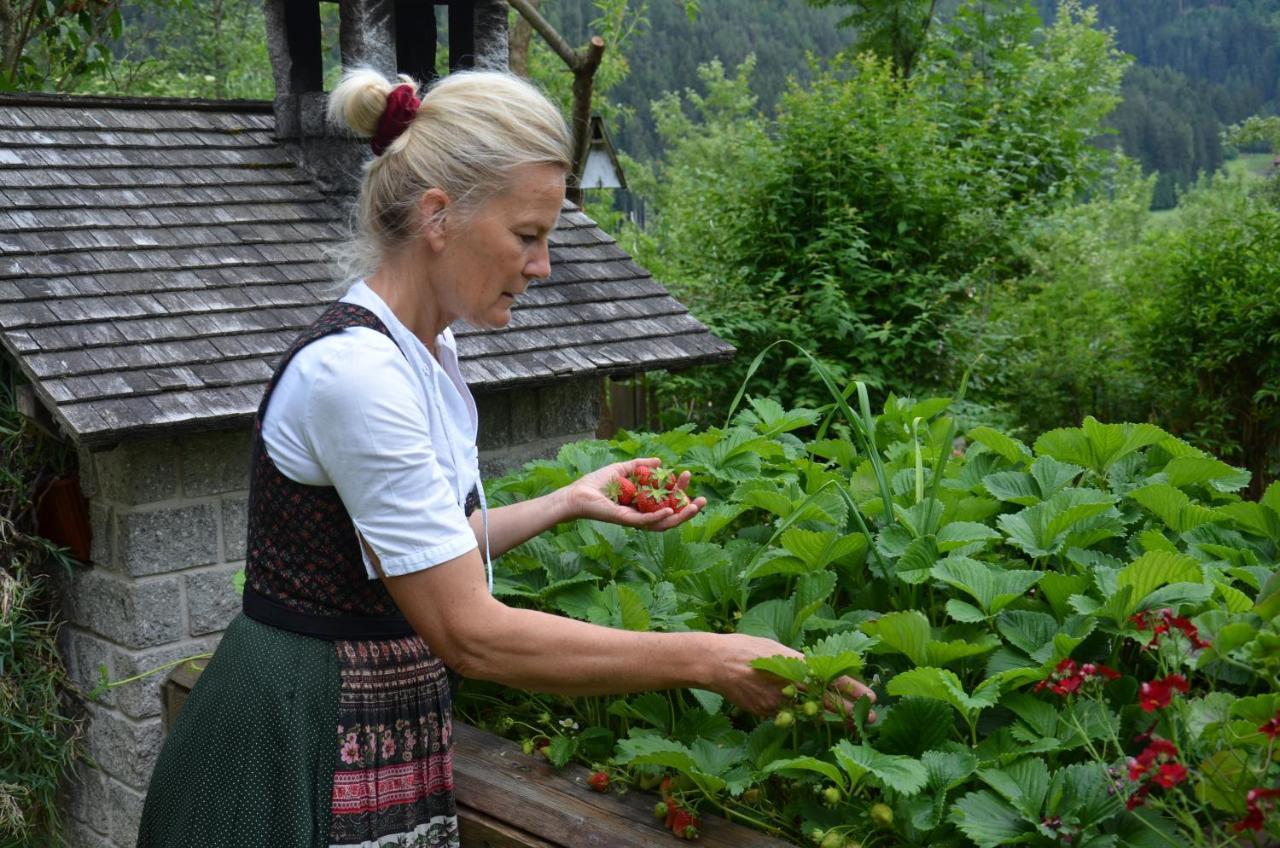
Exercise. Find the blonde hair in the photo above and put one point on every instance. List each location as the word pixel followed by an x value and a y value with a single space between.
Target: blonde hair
pixel 472 130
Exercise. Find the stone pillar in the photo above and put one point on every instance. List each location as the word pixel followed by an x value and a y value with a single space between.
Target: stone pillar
pixel 168 520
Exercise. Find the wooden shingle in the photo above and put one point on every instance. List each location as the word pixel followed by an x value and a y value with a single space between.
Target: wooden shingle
pixel 157 258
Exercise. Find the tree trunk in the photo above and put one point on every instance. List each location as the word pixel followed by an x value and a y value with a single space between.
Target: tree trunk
pixel 518 44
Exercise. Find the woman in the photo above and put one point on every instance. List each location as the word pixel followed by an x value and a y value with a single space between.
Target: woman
pixel 324 717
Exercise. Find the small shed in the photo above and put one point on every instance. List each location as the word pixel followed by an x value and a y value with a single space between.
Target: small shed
pixel 156 258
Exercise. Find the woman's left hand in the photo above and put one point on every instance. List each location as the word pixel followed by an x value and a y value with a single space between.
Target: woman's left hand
pixel 586 498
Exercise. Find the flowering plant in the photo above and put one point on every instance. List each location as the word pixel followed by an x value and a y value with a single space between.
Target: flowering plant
pixel 1074 642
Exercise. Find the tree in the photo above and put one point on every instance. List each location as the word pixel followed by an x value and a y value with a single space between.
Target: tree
pixel 53 44
pixel 892 29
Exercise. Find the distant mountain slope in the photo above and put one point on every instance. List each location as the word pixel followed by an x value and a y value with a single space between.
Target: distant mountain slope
pixel 666 57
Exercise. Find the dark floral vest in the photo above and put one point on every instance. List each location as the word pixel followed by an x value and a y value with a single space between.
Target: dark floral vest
pixel 303 551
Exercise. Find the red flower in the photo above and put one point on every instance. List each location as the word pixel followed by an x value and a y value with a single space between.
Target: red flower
pixel 1158 693
pixel 1158 750
pixel 1253 819
pixel 1271 727
pixel 1068 676
pixel 1161 622
pixel 1170 775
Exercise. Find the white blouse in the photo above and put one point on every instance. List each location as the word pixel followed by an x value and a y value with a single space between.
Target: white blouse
pixel 392 429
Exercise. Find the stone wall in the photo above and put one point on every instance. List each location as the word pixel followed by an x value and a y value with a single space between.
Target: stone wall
pixel 168 520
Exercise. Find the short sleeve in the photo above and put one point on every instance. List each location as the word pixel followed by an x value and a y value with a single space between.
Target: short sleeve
pixel 368 430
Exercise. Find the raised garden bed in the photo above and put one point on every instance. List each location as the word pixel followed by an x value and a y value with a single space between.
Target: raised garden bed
pixel 507 799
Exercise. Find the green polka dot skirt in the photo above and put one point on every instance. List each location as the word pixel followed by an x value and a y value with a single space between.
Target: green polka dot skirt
pixel 288 741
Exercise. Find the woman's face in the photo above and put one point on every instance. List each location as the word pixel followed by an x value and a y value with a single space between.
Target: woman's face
pixel 491 256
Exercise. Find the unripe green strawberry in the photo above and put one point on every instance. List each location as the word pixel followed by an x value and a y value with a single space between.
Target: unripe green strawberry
pixel 882 816
pixel 833 839
pixel 816 834
pixel 789 691
pixel 810 708
pixel 784 718
pixel 751 796
pixel 660 810
pixel 527 746
pixel 832 796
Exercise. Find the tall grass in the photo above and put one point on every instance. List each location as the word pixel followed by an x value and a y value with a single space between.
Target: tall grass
pixel 39 735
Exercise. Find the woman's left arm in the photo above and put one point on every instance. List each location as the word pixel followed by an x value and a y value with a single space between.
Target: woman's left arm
pixel 513 525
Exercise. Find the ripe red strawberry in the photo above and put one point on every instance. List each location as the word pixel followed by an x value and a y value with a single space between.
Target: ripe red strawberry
pixel 598 781
pixel 642 474
pixel 677 500
pixel 649 499
pixel 621 490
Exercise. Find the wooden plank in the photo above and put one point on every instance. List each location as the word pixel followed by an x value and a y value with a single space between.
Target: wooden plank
pixel 493 777
pixel 481 831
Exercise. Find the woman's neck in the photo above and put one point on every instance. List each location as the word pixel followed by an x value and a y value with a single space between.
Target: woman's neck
pixel 400 283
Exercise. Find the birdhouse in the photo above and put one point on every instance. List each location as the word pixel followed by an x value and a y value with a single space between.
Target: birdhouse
pixel 602 169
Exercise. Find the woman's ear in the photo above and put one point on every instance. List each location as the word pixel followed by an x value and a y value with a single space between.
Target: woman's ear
pixel 434 207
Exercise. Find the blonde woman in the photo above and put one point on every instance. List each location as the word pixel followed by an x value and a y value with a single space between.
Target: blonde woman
pixel 324 717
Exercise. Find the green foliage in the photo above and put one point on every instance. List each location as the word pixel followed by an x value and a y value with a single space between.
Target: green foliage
pixel 889 28
pixel 1211 326
pixel 860 221
pixel 50 45
pixel 39 738
pixel 186 48
pixel 1005 566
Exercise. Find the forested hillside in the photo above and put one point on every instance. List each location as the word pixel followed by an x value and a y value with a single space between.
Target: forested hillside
pixel 1200 65
pixel 666 54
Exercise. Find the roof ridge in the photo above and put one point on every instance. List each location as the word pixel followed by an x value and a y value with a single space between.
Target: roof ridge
pixel 35 98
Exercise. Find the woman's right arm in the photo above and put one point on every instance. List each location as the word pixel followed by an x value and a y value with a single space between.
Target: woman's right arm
pixel 480 637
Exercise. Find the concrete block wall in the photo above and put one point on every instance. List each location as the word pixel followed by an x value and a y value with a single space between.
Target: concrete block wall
pixel 519 425
pixel 168 520
pixel 169 523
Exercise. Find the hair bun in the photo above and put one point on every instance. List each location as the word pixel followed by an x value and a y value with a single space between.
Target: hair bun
pixel 360 99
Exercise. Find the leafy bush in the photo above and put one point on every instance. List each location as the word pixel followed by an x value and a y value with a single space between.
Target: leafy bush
pixel 859 222
pixel 39 738
pixel 1211 326
pixel 1058 343
pixel 1073 641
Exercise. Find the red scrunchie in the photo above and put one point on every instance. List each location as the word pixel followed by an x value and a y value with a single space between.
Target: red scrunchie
pixel 402 105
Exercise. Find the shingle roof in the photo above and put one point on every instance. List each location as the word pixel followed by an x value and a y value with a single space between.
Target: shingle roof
pixel 156 257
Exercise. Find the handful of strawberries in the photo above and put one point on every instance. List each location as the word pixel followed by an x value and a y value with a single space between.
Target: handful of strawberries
pixel 648 490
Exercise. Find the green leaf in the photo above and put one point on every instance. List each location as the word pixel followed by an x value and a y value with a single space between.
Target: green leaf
pixel 788 668
pixel 1184 471
pixel 1010 448
pixel 1016 487
pixel 1052 476
pixel 1023 784
pixel 893 771
pixel 1058 587
pixel 916 562
pixel 1173 507
pixel 649 749
pixel 992 587
pixel 1098 446
pixel 774 619
pixel 1253 518
pixel 561 750
pixel 914 725
pixel 958 534
pixel 989 821
pixel 634 613
pixel 948 769
pixel 810 764
pixel 909 633
pixel 819 549
pixel 943 685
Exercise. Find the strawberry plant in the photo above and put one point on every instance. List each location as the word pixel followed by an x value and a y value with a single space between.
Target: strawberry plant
pixel 1074 641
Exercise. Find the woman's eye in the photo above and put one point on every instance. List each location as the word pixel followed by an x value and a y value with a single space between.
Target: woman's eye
pixel 528 239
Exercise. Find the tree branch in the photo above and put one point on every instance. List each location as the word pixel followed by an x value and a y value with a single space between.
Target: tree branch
pixel 557 43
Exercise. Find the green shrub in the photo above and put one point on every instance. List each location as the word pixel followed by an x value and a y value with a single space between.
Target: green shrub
pixel 861 220
pixel 39 737
pixel 1211 326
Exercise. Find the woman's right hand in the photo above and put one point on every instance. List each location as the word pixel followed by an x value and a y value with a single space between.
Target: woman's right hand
pixel 759 692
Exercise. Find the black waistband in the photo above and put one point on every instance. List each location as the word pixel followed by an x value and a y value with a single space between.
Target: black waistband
pixel 332 627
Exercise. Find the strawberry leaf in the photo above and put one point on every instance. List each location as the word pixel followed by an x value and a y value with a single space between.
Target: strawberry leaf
pixel 892 771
